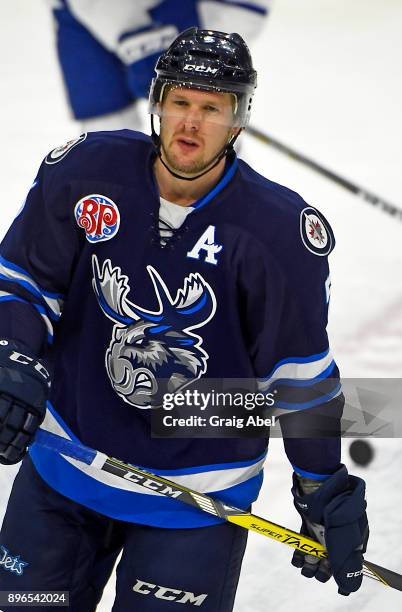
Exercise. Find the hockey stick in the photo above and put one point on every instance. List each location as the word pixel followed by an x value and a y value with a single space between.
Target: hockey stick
pixel 361 192
pixel 201 501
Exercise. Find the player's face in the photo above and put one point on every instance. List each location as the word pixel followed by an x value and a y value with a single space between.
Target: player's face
pixel 195 126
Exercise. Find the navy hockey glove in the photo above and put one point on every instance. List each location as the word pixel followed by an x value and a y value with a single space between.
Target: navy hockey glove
pixel 24 388
pixel 333 512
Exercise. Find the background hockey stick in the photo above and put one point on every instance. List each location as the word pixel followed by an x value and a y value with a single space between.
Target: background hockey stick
pixel 203 502
pixel 361 192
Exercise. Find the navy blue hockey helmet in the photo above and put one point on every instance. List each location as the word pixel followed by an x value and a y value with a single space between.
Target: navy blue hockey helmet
pixel 207 60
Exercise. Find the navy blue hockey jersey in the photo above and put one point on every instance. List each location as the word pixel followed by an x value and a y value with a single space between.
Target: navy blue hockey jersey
pixel 239 291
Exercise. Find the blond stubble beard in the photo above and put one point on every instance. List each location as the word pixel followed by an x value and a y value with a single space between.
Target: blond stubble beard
pixel 194 167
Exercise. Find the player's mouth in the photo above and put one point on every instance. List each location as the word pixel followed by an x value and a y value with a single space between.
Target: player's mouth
pixel 187 145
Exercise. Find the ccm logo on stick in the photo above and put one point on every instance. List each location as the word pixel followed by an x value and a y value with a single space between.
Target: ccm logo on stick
pixel 151 484
pixel 167 594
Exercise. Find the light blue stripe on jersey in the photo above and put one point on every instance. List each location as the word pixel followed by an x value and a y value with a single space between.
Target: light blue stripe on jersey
pixel 306 382
pixel 182 471
pixel 68 478
pixel 307 370
pixel 12 273
pixel 218 188
pixel 295 360
pixel 211 468
pixel 129 506
pixel 13 266
pixel 26 285
pixel 322 399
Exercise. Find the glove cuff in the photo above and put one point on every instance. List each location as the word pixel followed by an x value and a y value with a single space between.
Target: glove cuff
pixel 22 375
pixel 312 505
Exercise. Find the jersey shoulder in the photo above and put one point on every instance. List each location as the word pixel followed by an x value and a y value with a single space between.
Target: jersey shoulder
pixel 281 217
pixel 269 197
pixel 98 154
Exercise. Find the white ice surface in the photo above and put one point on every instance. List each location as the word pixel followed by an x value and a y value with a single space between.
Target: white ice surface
pixel 329 85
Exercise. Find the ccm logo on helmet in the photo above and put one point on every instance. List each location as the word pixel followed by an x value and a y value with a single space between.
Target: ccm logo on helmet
pixel 354 574
pixel 166 594
pixel 206 69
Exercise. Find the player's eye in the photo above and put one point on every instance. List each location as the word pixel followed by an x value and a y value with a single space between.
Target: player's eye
pixel 211 109
pixel 180 103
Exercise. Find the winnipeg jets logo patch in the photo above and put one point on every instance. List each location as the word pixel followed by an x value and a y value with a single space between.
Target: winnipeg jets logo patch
pixel 60 153
pixel 316 236
pixel 98 216
pixel 207 244
pixel 153 352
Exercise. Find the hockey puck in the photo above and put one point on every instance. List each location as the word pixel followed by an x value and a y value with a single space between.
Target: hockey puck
pixel 361 452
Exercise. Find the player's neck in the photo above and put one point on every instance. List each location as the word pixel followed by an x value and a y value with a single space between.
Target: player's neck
pixel 185 193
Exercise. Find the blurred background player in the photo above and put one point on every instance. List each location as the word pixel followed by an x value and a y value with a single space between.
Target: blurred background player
pixel 107 57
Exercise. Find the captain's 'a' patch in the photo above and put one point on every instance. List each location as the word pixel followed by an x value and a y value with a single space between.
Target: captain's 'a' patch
pixel 60 153
pixel 316 234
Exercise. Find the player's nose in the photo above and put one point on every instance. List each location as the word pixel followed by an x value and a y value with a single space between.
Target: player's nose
pixel 193 119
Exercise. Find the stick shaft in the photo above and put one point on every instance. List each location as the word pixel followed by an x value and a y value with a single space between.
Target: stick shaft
pixel 201 501
pixel 361 192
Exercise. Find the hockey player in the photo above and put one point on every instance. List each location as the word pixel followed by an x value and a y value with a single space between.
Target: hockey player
pixel 107 53
pixel 139 265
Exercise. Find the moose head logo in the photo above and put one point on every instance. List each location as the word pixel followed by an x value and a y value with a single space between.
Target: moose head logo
pixel 152 353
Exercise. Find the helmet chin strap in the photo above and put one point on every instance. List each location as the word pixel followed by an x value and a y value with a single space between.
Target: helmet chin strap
pixel 158 145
